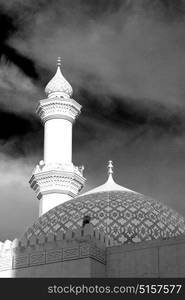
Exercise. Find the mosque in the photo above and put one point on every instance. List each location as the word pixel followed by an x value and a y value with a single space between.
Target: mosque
pixel 109 231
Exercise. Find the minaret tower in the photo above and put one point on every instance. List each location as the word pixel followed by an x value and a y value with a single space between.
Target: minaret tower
pixel 55 179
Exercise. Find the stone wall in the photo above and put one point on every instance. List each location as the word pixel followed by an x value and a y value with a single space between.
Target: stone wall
pixel 159 258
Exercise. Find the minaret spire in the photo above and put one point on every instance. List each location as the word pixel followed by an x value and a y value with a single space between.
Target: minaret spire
pixel 55 179
pixel 59 61
pixel 58 86
pixel 110 170
pixel 110 184
pixel 110 167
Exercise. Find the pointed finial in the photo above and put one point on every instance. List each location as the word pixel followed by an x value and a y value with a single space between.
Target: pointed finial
pixel 110 167
pixel 58 61
pixel 58 86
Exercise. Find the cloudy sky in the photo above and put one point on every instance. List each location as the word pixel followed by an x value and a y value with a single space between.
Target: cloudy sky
pixel 126 62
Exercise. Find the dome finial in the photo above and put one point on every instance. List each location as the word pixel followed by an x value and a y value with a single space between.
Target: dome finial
pixel 59 61
pixel 58 86
pixel 110 167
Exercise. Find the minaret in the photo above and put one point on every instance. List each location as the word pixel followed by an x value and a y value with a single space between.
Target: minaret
pixel 55 179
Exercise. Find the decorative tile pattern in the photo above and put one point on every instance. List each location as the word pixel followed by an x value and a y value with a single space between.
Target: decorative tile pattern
pixel 124 216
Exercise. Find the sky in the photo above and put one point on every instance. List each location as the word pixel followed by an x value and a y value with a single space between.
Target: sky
pixel 126 62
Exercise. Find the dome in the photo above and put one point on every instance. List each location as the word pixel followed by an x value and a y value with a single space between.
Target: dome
pixel 124 215
pixel 58 85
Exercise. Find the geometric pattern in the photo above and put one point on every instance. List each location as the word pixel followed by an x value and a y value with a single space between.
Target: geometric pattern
pixel 124 216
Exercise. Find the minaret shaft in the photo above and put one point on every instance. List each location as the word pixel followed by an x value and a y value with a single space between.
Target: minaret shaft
pixel 58 141
pixel 49 201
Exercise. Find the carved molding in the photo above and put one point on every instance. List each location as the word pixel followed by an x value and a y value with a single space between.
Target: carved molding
pixel 5 263
pixel 35 258
pixel 55 108
pixel 21 261
pixel 53 256
pixel 57 178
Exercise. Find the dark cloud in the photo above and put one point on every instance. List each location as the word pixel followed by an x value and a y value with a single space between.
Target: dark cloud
pixel 166 9
pixel 25 64
pixel 89 33
pixel 15 125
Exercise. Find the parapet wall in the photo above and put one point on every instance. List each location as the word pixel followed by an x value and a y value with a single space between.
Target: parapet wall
pixel 88 253
pixel 53 248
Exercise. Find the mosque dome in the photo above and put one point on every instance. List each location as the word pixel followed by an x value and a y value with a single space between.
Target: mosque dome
pixel 124 215
pixel 58 85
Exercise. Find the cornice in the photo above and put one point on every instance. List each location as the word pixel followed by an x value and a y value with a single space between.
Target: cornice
pixel 58 108
pixel 57 178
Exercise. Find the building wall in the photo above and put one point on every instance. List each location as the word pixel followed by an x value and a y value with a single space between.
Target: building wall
pixel 73 268
pixel 160 258
pixel 86 267
pixel 86 254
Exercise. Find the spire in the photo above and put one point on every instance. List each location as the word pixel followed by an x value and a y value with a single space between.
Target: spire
pixel 58 86
pixel 58 61
pixel 110 184
pixel 110 170
pixel 110 167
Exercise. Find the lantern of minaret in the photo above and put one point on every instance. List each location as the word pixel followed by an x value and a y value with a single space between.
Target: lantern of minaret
pixel 55 179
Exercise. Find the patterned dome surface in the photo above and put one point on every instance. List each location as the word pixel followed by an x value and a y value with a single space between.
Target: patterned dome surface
pixel 124 215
